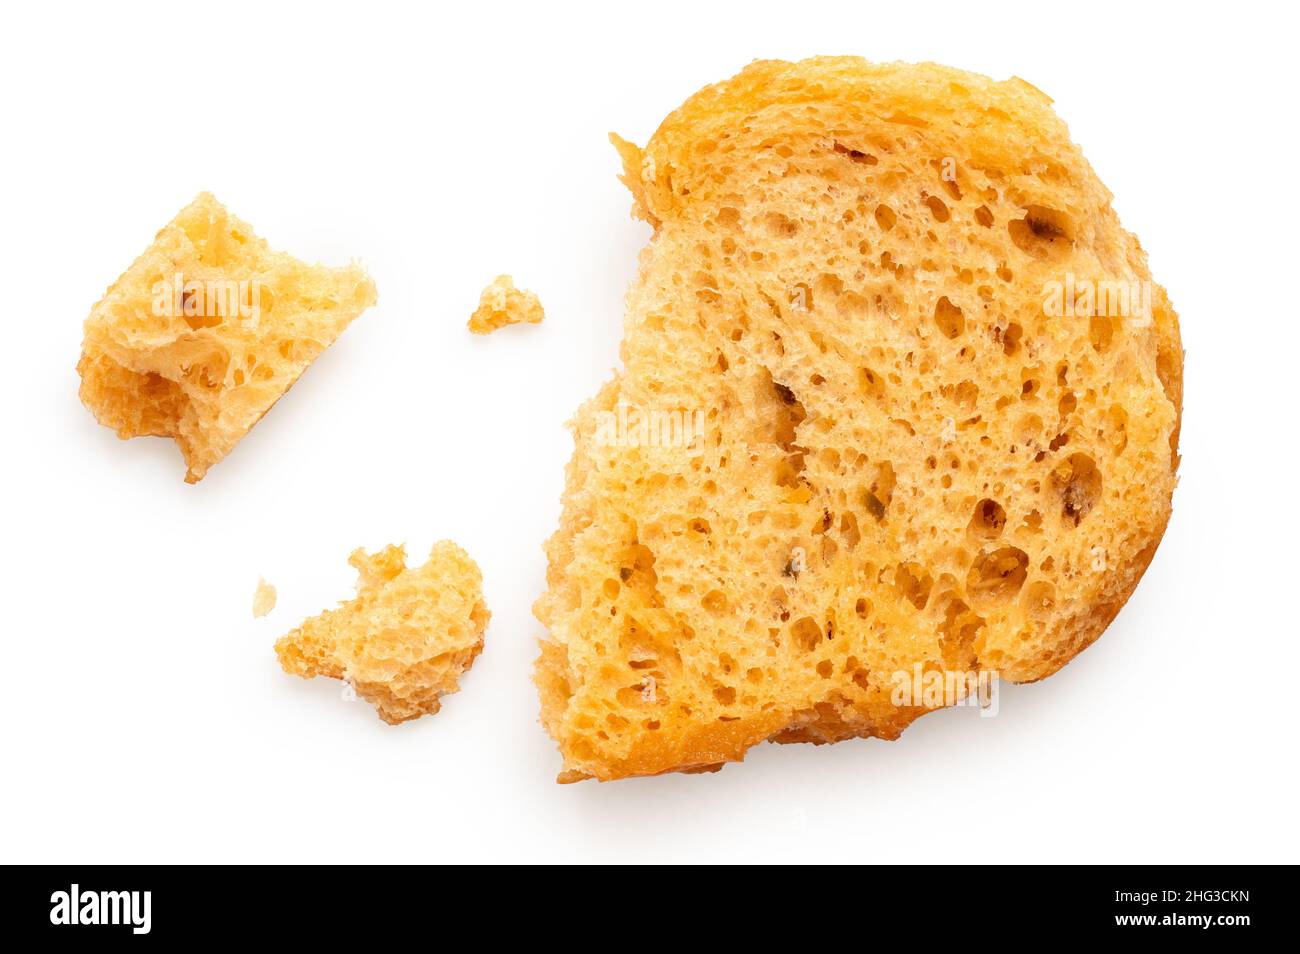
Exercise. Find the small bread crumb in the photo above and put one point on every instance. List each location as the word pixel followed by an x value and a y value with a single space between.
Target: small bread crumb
pixel 263 598
pixel 407 637
pixel 503 304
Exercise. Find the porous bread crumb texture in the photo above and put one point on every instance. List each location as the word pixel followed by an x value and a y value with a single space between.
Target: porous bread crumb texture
pixel 903 459
pixel 263 598
pixel 198 367
pixel 405 640
pixel 503 304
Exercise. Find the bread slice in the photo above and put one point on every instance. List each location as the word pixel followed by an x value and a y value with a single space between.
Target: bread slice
pixel 887 443
pixel 501 304
pixel 206 330
pixel 405 640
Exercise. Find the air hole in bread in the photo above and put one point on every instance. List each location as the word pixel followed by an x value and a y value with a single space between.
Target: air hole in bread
pixel 957 634
pixel 1043 232
pixel 881 492
pixel 873 385
pixel 201 321
pixel 1100 332
pixel 791 418
pixel 966 395
pixel 988 520
pixel 996 577
pixel 949 318
pixel 807 634
pixel 779 225
pixel 1011 338
pixel 728 217
pixel 1077 481
pixel 855 155
pixel 913 583
pixel 1039 600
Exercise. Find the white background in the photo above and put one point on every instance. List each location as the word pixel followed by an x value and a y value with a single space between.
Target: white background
pixel 143 716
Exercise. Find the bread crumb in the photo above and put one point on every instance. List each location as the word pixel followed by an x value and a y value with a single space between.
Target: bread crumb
pixel 206 330
pixel 405 639
pixel 503 304
pixel 263 598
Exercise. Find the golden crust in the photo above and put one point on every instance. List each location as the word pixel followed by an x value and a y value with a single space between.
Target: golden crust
pixel 206 330
pixel 909 449
pixel 405 640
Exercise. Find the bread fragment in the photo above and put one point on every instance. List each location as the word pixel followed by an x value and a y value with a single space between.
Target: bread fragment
pixel 503 304
pixel 263 598
pixel 206 330
pixel 894 436
pixel 406 638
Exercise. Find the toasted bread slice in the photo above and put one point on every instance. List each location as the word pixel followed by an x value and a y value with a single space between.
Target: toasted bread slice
pixel 206 330
pixel 405 640
pixel 869 425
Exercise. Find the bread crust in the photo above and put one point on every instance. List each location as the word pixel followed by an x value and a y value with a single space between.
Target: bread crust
pixel 852 279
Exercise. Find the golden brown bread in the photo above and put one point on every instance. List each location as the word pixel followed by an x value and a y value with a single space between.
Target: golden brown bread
pixel 868 420
pixel 206 330
pixel 405 640
pixel 501 304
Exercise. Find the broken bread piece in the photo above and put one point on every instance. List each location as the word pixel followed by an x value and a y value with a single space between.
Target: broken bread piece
pixel 503 304
pixel 263 598
pixel 406 638
pixel 869 428
pixel 206 330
